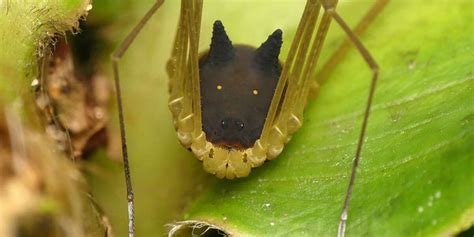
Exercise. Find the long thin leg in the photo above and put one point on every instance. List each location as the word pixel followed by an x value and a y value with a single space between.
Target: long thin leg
pixel 344 47
pixel 375 70
pixel 116 56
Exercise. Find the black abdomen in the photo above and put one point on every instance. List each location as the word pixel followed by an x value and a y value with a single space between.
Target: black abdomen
pixel 237 86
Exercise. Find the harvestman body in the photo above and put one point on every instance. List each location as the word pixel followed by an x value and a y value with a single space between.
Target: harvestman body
pixel 236 106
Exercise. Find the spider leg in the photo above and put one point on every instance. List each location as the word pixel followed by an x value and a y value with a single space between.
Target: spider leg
pixel 285 115
pixel 329 7
pixel 116 56
pixel 183 70
pixel 291 95
pixel 361 27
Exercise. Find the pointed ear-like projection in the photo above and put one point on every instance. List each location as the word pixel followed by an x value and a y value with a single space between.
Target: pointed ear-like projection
pixel 267 54
pixel 221 50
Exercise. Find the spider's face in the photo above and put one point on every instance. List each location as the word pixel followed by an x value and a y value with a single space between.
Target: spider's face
pixel 237 86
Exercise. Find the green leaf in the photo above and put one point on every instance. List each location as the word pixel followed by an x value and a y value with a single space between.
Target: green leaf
pixel 415 176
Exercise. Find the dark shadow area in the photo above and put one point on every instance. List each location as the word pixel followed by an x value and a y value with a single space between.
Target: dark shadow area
pixel 467 233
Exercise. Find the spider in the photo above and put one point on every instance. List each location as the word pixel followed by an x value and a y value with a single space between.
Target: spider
pixel 236 106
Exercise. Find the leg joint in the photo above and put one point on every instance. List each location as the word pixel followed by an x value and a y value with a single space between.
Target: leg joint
pixel 114 58
pixel 328 5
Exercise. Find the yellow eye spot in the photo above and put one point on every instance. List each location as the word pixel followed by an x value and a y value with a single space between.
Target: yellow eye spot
pixel 219 87
pixel 255 92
